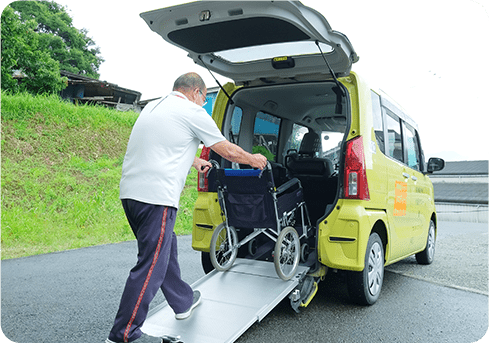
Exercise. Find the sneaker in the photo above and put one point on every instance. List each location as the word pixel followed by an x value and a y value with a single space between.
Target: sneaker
pixel 185 315
pixel 150 339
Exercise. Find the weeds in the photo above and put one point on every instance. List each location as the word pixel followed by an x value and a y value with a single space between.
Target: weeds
pixel 61 167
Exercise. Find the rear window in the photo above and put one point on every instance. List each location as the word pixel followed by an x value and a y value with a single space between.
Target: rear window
pixel 267 51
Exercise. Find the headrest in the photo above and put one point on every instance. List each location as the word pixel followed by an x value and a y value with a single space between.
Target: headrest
pixel 310 144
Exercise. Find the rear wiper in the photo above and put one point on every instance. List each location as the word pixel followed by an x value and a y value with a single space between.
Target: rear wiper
pixel 338 89
pixel 222 88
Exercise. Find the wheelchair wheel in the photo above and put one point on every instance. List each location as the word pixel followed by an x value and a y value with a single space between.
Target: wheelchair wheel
pixel 223 251
pixel 287 253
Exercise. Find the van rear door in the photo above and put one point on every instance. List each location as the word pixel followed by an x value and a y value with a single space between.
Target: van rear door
pixel 253 40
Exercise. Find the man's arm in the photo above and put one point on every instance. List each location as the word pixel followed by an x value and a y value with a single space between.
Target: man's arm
pixel 235 153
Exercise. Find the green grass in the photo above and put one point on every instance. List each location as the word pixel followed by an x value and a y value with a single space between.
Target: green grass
pixel 61 167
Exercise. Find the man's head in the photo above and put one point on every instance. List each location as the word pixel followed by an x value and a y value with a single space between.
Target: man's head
pixel 192 85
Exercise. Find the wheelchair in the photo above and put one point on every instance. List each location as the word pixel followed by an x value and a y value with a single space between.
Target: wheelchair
pixel 250 201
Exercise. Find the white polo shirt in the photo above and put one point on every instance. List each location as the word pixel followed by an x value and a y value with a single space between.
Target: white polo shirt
pixel 162 147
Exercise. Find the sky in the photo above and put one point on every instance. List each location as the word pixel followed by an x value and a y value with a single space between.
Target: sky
pixel 430 56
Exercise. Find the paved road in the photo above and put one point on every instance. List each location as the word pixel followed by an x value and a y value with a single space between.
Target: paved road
pixel 73 296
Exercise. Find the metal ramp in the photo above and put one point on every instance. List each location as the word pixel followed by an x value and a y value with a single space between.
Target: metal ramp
pixel 231 302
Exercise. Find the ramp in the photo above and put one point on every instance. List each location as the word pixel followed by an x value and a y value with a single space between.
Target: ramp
pixel 231 302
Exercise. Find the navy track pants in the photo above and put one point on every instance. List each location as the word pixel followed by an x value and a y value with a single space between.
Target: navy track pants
pixel 157 268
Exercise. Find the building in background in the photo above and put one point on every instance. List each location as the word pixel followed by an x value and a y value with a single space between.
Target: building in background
pixel 461 191
pixel 82 89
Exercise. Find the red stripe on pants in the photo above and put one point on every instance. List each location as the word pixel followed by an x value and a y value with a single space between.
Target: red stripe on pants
pixel 148 277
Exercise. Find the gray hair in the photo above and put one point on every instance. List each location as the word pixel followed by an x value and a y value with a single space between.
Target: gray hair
pixel 189 81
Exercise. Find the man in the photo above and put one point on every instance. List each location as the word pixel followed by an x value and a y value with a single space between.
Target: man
pixel 160 152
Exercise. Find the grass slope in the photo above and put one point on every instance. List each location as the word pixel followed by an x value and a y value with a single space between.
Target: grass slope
pixel 61 166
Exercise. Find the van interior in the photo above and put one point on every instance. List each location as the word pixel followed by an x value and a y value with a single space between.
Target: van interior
pixel 301 129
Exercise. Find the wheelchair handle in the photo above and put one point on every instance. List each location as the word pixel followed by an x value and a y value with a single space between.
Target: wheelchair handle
pixel 214 163
pixel 269 166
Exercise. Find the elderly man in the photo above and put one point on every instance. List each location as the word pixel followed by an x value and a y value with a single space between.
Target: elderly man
pixel 160 152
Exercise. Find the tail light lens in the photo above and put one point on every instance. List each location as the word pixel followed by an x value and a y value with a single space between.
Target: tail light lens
pixel 203 184
pixel 355 183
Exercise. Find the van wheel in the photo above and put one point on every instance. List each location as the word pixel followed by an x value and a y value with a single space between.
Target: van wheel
pixel 428 254
pixel 205 259
pixel 364 287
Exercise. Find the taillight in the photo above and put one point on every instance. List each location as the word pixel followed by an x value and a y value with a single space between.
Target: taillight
pixel 203 184
pixel 355 185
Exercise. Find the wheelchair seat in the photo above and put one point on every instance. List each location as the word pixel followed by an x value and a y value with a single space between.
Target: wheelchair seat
pixel 250 195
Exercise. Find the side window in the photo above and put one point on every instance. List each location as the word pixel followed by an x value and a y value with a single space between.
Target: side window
pixel 210 99
pixel 413 151
pixel 394 138
pixel 378 122
pixel 265 135
pixel 236 125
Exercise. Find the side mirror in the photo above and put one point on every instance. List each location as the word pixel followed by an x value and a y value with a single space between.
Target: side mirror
pixel 435 164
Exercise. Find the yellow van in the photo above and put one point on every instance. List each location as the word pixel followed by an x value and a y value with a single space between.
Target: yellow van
pixel 295 99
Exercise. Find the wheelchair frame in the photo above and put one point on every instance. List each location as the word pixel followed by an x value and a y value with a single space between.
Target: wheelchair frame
pixel 287 251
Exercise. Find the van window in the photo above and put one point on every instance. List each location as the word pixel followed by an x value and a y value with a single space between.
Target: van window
pixel 413 151
pixel 378 122
pixel 236 124
pixel 265 135
pixel 331 145
pixel 394 143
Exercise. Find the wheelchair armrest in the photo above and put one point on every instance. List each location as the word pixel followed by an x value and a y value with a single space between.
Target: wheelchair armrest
pixel 288 185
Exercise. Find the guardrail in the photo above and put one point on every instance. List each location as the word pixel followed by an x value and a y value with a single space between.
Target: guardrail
pixel 462 212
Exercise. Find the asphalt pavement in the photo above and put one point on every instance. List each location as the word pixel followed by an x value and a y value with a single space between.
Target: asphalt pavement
pixel 73 296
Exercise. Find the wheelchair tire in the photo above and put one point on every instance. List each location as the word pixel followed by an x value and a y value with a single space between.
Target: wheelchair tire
pixel 223 250
pixel 287 253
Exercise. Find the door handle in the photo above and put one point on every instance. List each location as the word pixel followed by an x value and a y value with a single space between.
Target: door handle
pixel 406 175
pixel 414 178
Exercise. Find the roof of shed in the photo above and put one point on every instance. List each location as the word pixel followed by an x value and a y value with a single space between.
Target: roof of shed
pixel 464 168
pixel 467 193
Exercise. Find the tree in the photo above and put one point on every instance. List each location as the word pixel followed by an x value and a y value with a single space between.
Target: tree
pixel 75 51
pixel 38 38
pixel 20 51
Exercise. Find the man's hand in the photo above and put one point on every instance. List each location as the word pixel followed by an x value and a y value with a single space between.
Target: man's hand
pixel 258 161
pixel 201 165
pixel 235 153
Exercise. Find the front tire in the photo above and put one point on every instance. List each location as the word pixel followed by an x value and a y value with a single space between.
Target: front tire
pixel 364 287
pixel 223 250
pixel 428 254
